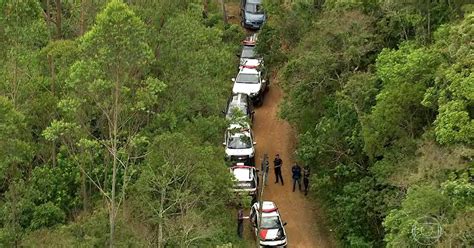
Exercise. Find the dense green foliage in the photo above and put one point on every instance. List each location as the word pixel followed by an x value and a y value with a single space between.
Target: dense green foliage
pixel 109 120
pixel 381 94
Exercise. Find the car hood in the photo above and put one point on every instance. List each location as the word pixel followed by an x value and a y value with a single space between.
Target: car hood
pixel 254 17
pixel 272 234
pixel 246 88
pixel 239 152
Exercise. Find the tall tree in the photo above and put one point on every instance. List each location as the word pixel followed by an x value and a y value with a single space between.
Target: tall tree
pixel 111 78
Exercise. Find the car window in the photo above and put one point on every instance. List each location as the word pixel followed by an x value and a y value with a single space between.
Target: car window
pixel 237 110
pixel 239 141
pixel 248 52
pixel 254 8
pixel 270 222
pixel 247 78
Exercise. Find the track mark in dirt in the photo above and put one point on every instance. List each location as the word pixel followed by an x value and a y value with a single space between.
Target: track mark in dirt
pixel 233 12
pixel 305 226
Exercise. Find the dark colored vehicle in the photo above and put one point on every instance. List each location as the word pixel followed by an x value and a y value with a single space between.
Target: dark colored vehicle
pixel 252 14
pixel 239 105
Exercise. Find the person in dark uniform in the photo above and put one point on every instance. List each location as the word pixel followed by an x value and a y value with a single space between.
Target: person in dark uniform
pixel 306 173
pixel 278 163
pixel 240 221
pixel 296 171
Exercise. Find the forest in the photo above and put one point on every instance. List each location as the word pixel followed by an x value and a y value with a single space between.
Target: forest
pixel 382 96
pixel 111 123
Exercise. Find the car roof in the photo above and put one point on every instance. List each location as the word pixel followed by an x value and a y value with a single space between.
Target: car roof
pixel 239 98
pixel 238 126
pixel 243 173
pixel 269 209
pixel 248 70
pixel 254 1
pixel 251 63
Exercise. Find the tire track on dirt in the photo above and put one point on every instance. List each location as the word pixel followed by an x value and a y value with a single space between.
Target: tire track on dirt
pixel 305 226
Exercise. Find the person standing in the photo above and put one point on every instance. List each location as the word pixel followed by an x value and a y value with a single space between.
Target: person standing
pixel 306 173
pixel 277 162
pixel 265 166
pixel 296 171
pixel 240 221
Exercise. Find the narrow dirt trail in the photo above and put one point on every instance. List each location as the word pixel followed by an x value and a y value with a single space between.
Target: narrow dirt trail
pixel 305 226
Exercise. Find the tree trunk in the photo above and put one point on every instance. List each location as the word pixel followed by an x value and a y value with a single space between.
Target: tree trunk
pixel 205 8
pixel 58 19
pixel 113 209
pixel 85 199
pixel 81 19
pixel 53 82
pixel 48 14
pixel 160 223
pixel 224 13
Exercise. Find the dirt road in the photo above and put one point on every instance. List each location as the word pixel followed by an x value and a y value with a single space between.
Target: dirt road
pixel 305 226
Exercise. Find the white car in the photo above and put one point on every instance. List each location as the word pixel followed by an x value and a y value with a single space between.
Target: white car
pixel 250 81
pixel 252 64
pixel 239 144
pixel 272 231
pixel 246 179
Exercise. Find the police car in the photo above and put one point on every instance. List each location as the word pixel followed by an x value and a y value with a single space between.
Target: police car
pixel 248 50
pixel 272 231
pixel 239 106
pixel 246 179
pixel 239 144
pixel 250 80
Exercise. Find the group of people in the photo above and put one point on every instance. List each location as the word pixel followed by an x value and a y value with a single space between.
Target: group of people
pixel 296 172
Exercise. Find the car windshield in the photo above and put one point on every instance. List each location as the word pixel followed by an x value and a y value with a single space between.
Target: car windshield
pixel 239 141
pixel 247 78
pixel 236 109
pixel 254 8
pixel 248 52
pixel 271 222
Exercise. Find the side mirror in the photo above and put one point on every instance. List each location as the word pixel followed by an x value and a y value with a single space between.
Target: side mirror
pixel 233 79
pixel 223 143
pixel 284 224
pixel 223 111
pixel 253 112
pixel 254 143
pixel 263 81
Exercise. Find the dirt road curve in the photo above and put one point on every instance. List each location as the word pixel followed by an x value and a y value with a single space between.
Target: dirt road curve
pixel 273 135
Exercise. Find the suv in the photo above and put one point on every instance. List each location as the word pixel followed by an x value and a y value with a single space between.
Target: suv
pixel 239 103
pixel 272 231
pixel 250 81
pixel 252 14
pixel 246 179
pixel 248 50
pixel 239 144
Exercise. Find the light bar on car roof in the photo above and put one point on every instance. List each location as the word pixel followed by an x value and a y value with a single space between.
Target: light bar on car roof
pixel 270 210
pixel 249 66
